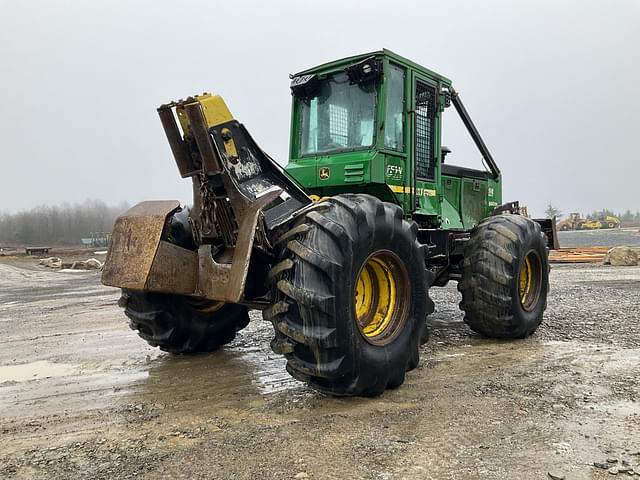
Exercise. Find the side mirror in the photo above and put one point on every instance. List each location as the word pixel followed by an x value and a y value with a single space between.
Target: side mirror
pixel 443 152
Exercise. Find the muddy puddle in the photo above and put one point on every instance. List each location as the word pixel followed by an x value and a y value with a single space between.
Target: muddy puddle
pixel 34 371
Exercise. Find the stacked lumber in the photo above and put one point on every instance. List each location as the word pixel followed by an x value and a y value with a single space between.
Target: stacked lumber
pixel 578 254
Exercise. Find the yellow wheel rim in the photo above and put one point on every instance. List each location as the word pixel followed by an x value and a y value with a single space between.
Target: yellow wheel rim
pixel 205 306
pixel 381 297
pixel 530 281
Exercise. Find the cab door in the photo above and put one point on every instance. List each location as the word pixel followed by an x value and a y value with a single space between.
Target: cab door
pixel 425 149
pixel 395 139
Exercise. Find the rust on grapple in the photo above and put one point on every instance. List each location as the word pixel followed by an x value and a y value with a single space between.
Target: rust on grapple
pixel 239 193
pixel 135 240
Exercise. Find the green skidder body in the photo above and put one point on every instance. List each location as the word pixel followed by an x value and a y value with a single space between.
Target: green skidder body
pixel 379 132
pixel 340 249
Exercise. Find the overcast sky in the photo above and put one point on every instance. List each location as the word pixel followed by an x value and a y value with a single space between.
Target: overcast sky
pixel 551 85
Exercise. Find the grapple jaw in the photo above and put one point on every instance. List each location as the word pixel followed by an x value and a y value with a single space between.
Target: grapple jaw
pixel 241 199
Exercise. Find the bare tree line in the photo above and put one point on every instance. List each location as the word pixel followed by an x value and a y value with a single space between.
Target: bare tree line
pixel 628 216
pixel 64 224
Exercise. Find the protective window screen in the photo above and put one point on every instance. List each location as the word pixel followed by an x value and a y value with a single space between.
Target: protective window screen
pixel 425 110
pixel 338 125
pixel 340 117
pixel 395 107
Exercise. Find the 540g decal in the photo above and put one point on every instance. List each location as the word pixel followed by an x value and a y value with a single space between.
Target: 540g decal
pixel 394 172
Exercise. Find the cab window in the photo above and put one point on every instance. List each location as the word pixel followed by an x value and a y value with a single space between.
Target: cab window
pixel 394 119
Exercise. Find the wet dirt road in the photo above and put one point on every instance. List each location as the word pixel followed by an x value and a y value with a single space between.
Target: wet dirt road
pixel 81 396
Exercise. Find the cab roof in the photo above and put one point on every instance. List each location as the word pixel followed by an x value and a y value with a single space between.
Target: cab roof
pixel 336 65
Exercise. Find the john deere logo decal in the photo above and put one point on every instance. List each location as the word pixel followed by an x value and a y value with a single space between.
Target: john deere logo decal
pixel 324 173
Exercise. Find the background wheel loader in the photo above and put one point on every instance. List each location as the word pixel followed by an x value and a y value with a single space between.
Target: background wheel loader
pixel 339 249
pixel 576 222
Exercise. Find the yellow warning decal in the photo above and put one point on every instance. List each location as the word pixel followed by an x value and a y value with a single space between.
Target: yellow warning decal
pixel 428 192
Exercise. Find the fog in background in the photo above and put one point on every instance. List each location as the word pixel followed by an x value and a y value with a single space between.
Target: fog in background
pixel 551 85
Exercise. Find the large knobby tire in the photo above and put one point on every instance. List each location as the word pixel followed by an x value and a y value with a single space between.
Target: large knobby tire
pixel 179 323
pixel 505 277
pixel 351 296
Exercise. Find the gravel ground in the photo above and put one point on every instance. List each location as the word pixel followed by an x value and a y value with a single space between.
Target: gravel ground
pixel 81 396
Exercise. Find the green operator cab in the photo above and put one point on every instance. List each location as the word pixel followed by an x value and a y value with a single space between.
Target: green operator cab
pixel 372 123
